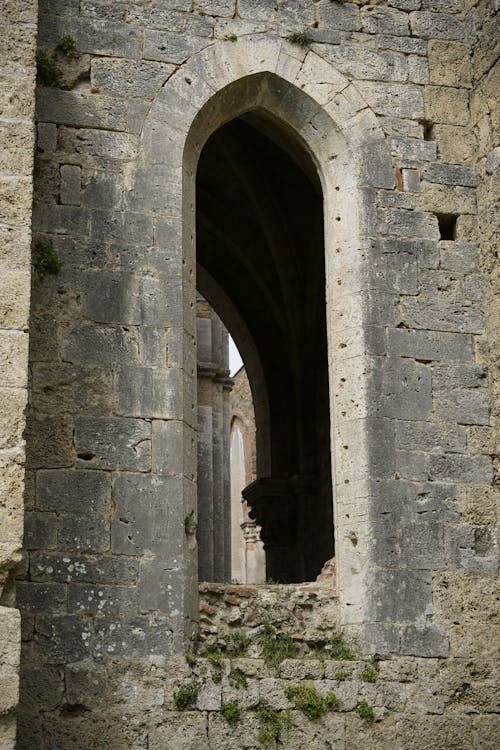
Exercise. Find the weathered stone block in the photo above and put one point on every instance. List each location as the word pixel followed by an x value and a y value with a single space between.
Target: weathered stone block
pixel 441 315
pixel 115 147
pixel 15 248
pixel 408 545
pixel 40 530
pixel 17 143
pixel 481 440
pixel 425 640
pixel 128 299
pixel 188 730
pixel 49 442
pixel 458 256
pixel 70 184
pixel 15 199
pixel 393 221
pixel 128 77
pixel 100 189
pixel 133 637
pixel 58 219
pixel 17 55
pixel 435 26
pixel 92 35
pixel 89 345
pixel 38 597
pixel 83 533
pixel 384 21
pixel 171 48
pixel 83 492
pixel 302 669
pixel 410 598
pixel 456 144
pixel 450 64
pixel 64 388
pixel 403 389
pixel 132 228
pixel 84 568
pixel 461 468
pixel 113 443
pixel 406 44
pixel 430 345
pixel 146 392
pixel 357 62
pixel 462 406
pixel 410 501
pixel 472 548
pixel 425 436
pixel 257 10
pixel 81 109
pixel 445 104
pixel 451 174
pixel 343 16
pixel 485 731
pixel 64 638
pixel 12 420
pixel 411 465
pixel 148 517
pixel 418 69
pixel 173 443
pixel 394 99
pixel 102 600
pixel 411 149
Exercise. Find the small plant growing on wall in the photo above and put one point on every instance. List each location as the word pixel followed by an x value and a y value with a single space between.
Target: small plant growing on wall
pixel 231 712
pixel 308 700
pixel 299 37
pixel 272 721
pixel 186 696
pixel 337 648
pixel 275 647
pixel 45 260
pixel 47 71
pixel 369 675
pixel 47 65
pixel 67 46
pixel 238 679
pixel 364 710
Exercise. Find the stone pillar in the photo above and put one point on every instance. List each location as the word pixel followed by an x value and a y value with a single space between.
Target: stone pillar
pixel 278 505
pixel 255 560
pixel 214 551
pixel 226 478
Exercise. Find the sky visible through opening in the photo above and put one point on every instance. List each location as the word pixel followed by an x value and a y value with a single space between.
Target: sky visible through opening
pixel 235 360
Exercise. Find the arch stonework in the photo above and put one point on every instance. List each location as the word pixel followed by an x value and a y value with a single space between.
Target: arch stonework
pixel 107 584
pixel 310 97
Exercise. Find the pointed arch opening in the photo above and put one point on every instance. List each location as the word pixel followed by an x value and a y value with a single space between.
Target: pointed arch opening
pixel 260 259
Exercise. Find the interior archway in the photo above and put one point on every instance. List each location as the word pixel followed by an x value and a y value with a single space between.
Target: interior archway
pixel 260 240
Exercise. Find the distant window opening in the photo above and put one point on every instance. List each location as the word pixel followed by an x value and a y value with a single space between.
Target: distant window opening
pixel 447 226
pixel 260 258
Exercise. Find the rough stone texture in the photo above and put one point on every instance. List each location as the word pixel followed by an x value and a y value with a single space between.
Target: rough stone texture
pixel 108 580
pixel 17 99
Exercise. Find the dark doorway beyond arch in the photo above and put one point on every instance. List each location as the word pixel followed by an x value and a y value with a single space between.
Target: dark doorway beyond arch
pixel 260 238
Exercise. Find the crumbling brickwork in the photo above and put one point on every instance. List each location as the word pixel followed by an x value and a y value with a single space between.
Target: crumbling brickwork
pixel 396 104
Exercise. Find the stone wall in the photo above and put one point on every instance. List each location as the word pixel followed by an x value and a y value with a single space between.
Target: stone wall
pixel 380 96
pixel 17 99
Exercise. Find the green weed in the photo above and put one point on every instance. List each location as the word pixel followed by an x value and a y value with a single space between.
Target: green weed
pixel 231 712
pixel 364 711
pixel 186 695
